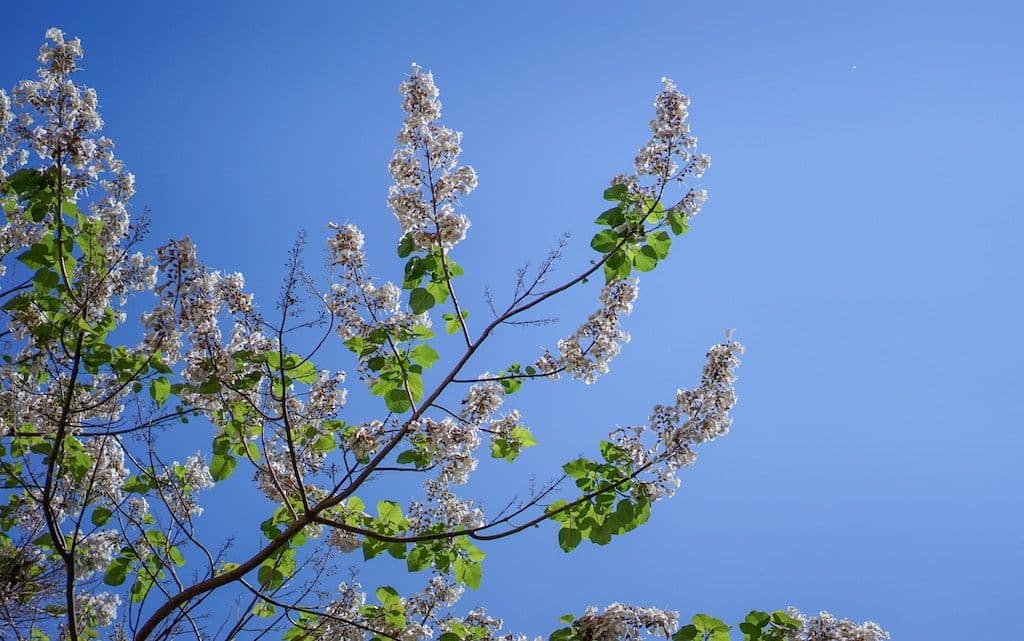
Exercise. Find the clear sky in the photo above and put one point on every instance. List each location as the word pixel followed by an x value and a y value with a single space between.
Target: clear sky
pixel 863 236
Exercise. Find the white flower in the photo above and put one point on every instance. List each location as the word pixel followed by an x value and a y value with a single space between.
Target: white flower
pixel 622 621
pixel 428 178
pixel 826 627
pixel 586 354
pixel 344 540
pixel 94 552
pixel 97 610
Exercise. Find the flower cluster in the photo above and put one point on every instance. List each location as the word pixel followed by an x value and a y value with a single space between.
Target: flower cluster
pixel 109 472
pixel 58 120
pixel 356 301
pixel 826 627
pixel 11 158
pixel 586 354
pixel 344 541
pixel 453 447
pixel 275 476
pixel 187 317
pixel 96 610
pixel 345 247
pixel 697 416
pixel 428 178
pixel 94 552
pixel 444 507
pixel 669 155
pixel 68 112
pixel 439 593
pixel 621 621
pixel 183 482
pixel 344 609
pixel 482 401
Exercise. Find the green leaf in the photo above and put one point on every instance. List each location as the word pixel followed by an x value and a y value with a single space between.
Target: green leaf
pixel 26 180
pixel 269 576
pixel 222 466
pixel 439 290
pixel 390 512
pixel 420 300
pixel 415 385
pixel 677 222
pixel 708 623
pixel 454 269
pixel 750 631
pixel 141 587
pixel 600 534
pixel 39 255
pixel 617 266
pixel 100 516
pixel 523 436
pixel 567 618
pixel 660 241
pixel 611 452
pixel 405 246
pixel 686 633
pixel 563 634
pixel 175 555
pixel 264 610
pixel 646 259
pixel 397 400
pixel 159 389
pixel 611 217
pixel 604 241
pixel 419 558
pixel 616 192
pixel 781 617
pixel 324 443
pixel 424 355
pixel 388 596
pixel 569 538
pixel 511 385
pixel 577 468
pixel 116 572
pixel 304 372
pixel 397 550
pixel 468 572
pixel 451 323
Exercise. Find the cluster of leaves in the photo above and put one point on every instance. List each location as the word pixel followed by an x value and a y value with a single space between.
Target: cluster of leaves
pixel 396 362
pixel 147 567
pixel 436 268
pixel 756 626
pixel 68 246
pixel 610 504
pixel 443 553
pixel 635 237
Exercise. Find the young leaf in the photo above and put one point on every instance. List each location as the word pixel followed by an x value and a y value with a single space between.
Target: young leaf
pixel 604 241
pixel 646 259
pixel 424 355
pixel 222 466
pixel 569 538
pixel 160 389
pixel 616 192
pixel 420 300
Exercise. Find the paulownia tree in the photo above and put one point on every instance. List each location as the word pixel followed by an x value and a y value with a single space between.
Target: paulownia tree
pixel 100 528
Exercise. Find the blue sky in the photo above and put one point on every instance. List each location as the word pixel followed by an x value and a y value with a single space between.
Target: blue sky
pixel 862 235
